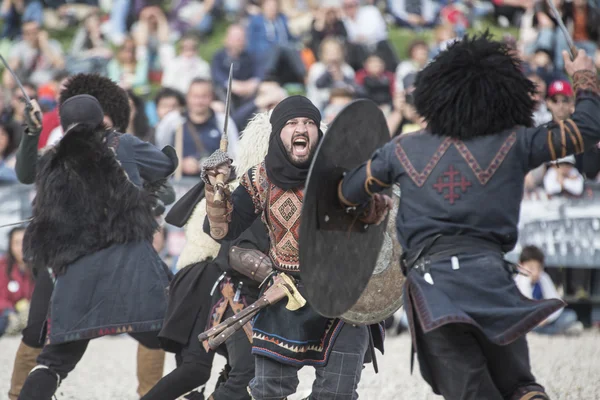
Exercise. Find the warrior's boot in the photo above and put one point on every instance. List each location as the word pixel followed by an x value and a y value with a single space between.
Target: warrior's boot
pixel 150 367
pixel 25 361
pixel 533 392
pixel 41 384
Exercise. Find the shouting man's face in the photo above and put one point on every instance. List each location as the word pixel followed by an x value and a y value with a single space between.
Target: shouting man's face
pixel 300 137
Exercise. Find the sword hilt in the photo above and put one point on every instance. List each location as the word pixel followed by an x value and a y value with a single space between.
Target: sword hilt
pixel 250 310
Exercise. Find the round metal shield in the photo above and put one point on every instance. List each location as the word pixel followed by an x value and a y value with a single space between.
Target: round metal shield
pixel 337 252
pixel 383 294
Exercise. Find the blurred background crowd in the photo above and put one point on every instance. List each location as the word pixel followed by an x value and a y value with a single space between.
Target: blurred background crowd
pixel 173 59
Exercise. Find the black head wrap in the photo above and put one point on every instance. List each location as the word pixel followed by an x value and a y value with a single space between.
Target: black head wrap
pixel 82 108
pixel 280 169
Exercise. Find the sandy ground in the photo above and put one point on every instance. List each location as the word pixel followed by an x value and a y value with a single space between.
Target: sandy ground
pixel 568 367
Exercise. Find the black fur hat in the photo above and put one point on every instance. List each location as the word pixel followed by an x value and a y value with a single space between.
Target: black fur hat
pixel 112 98
pixel 474 88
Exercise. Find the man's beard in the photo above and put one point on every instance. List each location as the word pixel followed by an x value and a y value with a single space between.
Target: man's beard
pixel 302 161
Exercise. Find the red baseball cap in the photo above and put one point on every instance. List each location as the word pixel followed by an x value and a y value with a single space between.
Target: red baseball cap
pixel 560 87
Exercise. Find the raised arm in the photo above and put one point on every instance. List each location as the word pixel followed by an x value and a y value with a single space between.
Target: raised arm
pixel 576 134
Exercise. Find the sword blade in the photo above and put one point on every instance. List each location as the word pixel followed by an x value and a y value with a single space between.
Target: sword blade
pixel 563 28
pixel 224 138
pixel 27 99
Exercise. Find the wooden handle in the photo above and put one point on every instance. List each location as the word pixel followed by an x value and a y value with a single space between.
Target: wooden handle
pixel 219 185
pixel 216 341
pixel 250 310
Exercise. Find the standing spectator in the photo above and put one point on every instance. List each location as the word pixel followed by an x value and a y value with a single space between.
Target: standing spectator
pixel 271 43
pixel 35 58
pixel 541 115
pixel 378 84
pixel 16 285
pixel 90 51
pixel 129 71
pixel 367 34
pixel 200 134
pixel 15 11
pixel 327 24
pixel 170 105
pixel 539 286
pixel 414 14
pixel 330 73
pixel 246 70
pixel 8 149
pixel 180 71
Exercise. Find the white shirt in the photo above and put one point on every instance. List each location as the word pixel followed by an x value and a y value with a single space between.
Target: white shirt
pixel 548 290
pixel 368 23
pixel 573 184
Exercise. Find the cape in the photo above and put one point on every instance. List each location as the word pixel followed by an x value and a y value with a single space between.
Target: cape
pixel 84 201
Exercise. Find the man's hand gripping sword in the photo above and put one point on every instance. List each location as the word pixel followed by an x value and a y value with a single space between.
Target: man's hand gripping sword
pixel 283 286
pixel 33 113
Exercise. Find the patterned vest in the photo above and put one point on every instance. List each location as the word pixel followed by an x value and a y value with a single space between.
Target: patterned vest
pixel 281 214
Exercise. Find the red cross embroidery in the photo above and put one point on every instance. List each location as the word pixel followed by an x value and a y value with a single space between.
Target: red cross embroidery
pixel 451 183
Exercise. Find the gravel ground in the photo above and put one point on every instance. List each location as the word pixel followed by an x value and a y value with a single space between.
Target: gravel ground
pixel 568 367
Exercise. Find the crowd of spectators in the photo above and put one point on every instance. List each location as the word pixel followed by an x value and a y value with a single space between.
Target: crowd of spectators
pixel 334 51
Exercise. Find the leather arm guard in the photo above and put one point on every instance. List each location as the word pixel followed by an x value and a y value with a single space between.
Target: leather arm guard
pixel 251 263
pixel 219 216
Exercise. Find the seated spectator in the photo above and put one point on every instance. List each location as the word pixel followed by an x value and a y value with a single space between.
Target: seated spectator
pixel 327 24
pixel 129 71
pixel 17 108
pixel 414 14
pixel 584 19
pixel 444 36
pixel 246 69
pixel 330 73
pixel 138 120
pixel 170 105
pixel 62 14
pixel 539 286
pixel 50 120
pixel 560 100
pixel 541 115
pixel 180 71
pixel 270 41
pixel 418 56
pixel 378 84
pixel 35 58
pixel 562 178
pixel 200 133
pixel 8 149
pixel 509 12
pixel 404 117
pixel 13 12
pixel 338 99
pixel 16 286
pixel 196 16
pixel 90 51
pixel 153 40
pixel 300 14
pixel 269 94
pixel 367 34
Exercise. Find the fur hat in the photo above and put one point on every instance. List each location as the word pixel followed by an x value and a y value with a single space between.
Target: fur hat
pixel 474 88
pixel 112 98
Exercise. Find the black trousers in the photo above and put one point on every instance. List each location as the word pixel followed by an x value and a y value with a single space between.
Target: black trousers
pixel 34 334
pixel 194 365
pixel 459 363
pixel 60 360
